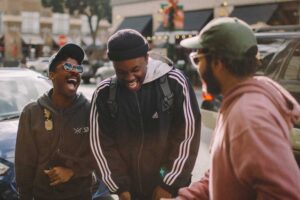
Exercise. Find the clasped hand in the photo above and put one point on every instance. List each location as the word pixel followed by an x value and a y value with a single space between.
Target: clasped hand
pixel 58 175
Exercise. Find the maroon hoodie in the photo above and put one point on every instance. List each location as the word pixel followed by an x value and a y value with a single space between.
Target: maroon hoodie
pixel 251 152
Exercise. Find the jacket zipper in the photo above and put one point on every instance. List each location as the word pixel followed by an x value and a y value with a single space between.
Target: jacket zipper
pixel 60 141
pixel 142 144
pixel 60 137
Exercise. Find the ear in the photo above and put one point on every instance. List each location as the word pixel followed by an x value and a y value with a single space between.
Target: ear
pixel 217 65
pixel 51 75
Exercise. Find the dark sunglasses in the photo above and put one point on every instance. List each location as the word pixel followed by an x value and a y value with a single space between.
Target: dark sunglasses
pixel 75 68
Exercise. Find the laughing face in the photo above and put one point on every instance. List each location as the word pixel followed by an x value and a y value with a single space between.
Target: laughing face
pixel 65 83
pixel 132 72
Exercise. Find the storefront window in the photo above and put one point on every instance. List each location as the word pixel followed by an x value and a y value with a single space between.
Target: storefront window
pixel 30 22
pixel 61 23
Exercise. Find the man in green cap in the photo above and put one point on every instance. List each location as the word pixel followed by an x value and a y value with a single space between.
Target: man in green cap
pixel 251 156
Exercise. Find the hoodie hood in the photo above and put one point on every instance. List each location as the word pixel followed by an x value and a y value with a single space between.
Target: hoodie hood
pixel 46 102
pixel 280 97
pixel 155 70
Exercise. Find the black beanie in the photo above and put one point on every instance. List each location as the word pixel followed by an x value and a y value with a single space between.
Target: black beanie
pixel 126 44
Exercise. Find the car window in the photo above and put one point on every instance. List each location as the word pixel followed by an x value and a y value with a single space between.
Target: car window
pixel 293 67
pixel 273 53
pixel 18 92
pixel 291 76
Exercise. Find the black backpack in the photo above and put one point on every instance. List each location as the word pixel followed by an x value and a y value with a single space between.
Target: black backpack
pixel 167 100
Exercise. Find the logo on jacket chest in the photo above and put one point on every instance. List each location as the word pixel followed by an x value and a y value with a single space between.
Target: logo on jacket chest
pixel 155 115
pixel 81 130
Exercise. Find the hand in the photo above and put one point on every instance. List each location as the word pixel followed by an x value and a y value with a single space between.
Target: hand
pixel 125 196
pixel 159 193
pixel 59 175
pixel 167 198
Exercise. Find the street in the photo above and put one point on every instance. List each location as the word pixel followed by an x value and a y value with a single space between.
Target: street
pixel 202 161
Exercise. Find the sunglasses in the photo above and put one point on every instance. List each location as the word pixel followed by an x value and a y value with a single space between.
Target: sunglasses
pixel 195 58
pixel 75 68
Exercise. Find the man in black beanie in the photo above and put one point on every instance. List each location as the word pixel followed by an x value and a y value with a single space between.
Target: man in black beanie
pixel 145 123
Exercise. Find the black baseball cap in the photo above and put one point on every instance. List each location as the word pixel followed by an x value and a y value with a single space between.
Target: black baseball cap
pixel 68 50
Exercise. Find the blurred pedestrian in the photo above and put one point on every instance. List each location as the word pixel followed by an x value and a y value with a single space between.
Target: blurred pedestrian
pixel 251 152
pixel 23 62
pixel 145 123
pixel 53 156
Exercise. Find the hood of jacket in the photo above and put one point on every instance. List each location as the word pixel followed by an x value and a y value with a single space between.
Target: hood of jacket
pixel 280 97
pixel 155 70
pixel 46 102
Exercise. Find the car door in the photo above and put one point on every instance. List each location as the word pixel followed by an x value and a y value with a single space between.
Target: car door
pixel 290 79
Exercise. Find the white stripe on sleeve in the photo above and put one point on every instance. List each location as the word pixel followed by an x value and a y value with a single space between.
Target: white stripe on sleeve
pixel 184 147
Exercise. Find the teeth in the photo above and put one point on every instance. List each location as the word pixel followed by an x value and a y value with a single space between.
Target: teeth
pixel 72 80
pixel 132 84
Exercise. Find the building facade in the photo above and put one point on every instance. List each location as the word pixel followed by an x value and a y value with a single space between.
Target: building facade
pixel 122 9
pixel 27 29
pixel 148 16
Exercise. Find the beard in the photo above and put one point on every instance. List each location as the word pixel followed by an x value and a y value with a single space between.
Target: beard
pixel 213 85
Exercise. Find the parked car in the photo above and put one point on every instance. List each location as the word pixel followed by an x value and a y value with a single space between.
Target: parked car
pixel 90 69
pixel 17 88
pixel 279 53
pixel 87 71
pixel 40 65
pixel 105 71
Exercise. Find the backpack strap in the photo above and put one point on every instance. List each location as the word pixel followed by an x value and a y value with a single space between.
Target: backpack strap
pixel 168 95
pixel 111 101
pixel 167 101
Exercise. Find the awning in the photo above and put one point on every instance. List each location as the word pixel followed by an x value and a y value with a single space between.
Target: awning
pixel 253 14
pixel 87 40
pixel 142 24
pixel 32 39
pixel 193 21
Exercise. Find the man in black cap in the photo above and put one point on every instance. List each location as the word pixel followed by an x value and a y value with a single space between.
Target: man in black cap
pixel 145 123
pixel 53 157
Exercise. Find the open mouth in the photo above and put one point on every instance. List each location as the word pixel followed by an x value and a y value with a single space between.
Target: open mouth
pixel 72 83
pixel 133 85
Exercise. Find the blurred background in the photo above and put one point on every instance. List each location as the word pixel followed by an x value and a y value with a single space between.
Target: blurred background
pixel 32 30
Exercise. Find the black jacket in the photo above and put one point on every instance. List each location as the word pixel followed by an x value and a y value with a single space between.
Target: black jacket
pixel 142 146
pixel 67 144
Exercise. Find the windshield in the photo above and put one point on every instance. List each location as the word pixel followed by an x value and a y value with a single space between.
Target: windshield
pixel 268 49
pixel 16 92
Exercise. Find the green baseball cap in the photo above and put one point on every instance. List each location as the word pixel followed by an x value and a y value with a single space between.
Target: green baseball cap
pixel 227 36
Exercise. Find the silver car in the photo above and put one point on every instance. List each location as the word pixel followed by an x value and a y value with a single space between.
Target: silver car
pixel 40 65
pixel 105 71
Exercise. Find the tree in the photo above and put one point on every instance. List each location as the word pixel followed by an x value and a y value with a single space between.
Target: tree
pixel 101 9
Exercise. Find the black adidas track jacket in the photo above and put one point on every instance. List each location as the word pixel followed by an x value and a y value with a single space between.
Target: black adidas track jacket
pixel 142 146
